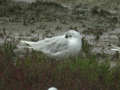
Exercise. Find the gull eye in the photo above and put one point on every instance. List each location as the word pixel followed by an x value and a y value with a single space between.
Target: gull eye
pixel 66 36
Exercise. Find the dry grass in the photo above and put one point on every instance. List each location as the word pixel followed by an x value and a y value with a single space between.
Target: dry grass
pixel 35 71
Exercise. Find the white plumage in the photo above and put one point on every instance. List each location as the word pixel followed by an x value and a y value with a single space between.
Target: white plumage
pixel 115 48
pixel 68 44
pixel 52 88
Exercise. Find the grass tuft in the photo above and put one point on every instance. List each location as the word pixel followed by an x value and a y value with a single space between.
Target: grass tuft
pixel 35 71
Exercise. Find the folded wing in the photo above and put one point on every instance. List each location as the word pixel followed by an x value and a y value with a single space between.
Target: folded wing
pixel 52 46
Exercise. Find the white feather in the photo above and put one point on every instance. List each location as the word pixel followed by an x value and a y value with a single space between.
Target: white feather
pixel 59 45
pixel 52 88
pixel 115 48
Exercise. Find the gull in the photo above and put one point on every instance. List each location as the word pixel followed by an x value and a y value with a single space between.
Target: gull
pixel 66 45
pixel 52 88
pixel 115 48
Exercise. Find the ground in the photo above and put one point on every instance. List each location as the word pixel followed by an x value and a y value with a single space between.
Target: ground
pixel 99 23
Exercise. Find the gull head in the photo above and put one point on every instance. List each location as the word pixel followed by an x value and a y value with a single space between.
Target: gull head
pixel 73 34
pixel 74 40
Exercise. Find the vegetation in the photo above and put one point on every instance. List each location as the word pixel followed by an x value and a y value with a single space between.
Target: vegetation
pixel 35 71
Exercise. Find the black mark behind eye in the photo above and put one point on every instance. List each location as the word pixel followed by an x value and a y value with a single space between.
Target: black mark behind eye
pixel 66 36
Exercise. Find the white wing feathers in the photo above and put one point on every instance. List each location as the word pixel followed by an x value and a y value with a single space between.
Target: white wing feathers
pixel 52 46
pixel 115 48
pixel 68 44
pixel 29 43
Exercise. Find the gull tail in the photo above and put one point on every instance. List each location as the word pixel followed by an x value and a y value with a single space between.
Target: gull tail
pixel 29 43
pixel 26 44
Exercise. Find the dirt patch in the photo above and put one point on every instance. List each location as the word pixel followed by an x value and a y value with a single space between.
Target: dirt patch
pixel 97 21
